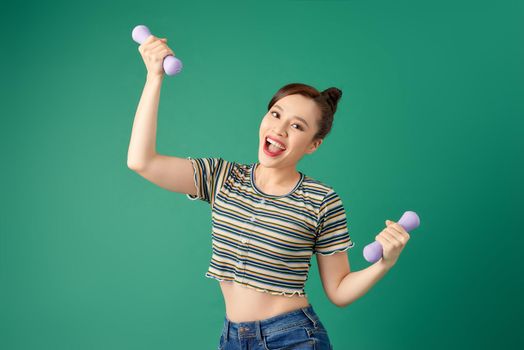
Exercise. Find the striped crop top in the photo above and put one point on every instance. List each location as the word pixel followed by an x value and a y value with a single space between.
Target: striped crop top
pixel 265 242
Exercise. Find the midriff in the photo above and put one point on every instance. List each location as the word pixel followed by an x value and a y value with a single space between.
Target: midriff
pixel 244 304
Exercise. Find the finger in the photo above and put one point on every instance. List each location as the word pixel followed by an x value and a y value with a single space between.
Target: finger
pixel 156 44
pixel 394 232
pixel 402 234
pixel 396 227
pixel 393 238
pixel 405 234
pixel 149 39
pixel 386 246
pixel 383 241
pixel 148 47
pixel 165 53
pixel 158 48
pixel 386 236
pixel 160 52
pixel 159 43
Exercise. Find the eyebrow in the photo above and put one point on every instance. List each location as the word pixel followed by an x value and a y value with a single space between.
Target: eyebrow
pixel 296 116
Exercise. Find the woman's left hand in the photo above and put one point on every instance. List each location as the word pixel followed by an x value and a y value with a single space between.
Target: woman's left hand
pixel 393 239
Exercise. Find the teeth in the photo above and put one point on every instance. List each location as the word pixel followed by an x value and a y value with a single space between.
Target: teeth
pixel 275 143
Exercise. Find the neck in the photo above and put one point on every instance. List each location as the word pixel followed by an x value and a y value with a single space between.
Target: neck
pixel 276 177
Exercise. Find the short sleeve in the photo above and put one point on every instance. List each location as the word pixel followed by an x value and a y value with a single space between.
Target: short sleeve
pixel 208 175
pixel 332 231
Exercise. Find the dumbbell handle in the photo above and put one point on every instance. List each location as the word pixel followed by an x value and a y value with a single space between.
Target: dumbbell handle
pixel 409 221
pixel 171 64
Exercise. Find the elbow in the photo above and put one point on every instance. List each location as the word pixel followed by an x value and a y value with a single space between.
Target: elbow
pixel 138 164
pixel 335 302
pixel 131 165
pixel 134 166
pixel 340 303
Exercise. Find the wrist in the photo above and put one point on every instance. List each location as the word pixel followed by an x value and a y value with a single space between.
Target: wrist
pixel 154 77
pixel 386 265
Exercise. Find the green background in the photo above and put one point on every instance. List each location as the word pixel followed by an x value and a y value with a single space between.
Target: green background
pixel 93 256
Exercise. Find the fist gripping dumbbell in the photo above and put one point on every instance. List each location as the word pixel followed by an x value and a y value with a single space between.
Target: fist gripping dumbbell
pixel 171 64
pixel 409 221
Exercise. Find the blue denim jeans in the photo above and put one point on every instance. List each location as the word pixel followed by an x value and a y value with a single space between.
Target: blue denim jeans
pixel 299 329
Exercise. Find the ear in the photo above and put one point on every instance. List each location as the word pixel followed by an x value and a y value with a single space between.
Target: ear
pixel 314 146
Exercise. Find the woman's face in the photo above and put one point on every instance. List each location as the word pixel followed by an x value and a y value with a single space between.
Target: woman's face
pixel 292 121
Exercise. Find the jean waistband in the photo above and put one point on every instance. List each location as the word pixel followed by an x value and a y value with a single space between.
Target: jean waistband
pixel 301 316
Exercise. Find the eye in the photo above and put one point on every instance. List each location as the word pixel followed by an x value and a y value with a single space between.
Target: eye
pixel 299 126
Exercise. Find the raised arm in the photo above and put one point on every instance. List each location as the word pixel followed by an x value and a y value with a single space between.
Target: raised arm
pixel 142 146
pixel 172 173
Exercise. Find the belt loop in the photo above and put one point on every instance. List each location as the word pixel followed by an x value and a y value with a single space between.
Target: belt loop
pixel 258 326
pixel 226 336
pixel 304 310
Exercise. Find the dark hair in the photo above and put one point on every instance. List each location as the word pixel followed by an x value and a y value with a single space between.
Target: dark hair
pixel 326 100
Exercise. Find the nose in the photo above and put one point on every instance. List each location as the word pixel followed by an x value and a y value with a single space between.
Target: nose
pixel 280 130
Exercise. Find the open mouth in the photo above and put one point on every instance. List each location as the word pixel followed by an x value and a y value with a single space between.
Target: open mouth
pixel 272 150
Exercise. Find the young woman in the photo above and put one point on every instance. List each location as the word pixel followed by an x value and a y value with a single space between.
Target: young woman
pixel 268 218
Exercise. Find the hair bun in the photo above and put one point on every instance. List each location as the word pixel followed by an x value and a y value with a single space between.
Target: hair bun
pixel 332 95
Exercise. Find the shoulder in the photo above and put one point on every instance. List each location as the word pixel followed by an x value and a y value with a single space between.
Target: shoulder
pixel 238 169
pixel 212 167
pixel 316 188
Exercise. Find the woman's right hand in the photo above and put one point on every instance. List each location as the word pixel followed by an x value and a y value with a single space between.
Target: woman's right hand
pixel 153 51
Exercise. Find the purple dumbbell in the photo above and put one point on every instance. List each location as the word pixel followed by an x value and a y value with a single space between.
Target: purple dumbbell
pixel 409 221
pixel 172 65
